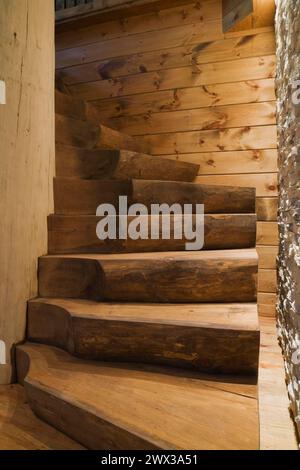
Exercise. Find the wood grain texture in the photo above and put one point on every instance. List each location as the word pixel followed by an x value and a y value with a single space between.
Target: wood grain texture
pixel 234 11
pixel 223 117
pixel 77 234
pixel 265 184
pixel 152 21
pixel 79 133
pixel 120 407
pixel 209 338
pixel 20 429
pixel 79 196
pixel 267 208
pixel 242 138
pixel 205 276
pixel 108 10
pixel 27 159
pixel 187 98
pixel 251 44
pixel 76 162
pixel 237 162
pixel 168 79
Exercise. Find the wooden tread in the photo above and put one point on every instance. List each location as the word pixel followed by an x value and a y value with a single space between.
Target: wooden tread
pixel 81 196
pixel 133 407
pixel 77 234
pixel 78 162
pixel 204 276
pixel 218 338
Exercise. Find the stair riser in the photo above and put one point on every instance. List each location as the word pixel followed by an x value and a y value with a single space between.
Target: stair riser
pixel 78 235
pixel 76 162
pixel 82 197
pixel 84 134
pixel 93 432
pixel 214 280
pixel 200 348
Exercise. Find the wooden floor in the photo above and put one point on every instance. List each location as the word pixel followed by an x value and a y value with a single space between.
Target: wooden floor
pixel 20 429
pixel 276 426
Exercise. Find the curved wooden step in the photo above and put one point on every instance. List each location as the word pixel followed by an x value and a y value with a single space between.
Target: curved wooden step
pixel 85 134
pixel 78 162
pixel 77 234
pixel 218 338
pixel 81 196
pixel 123 407
pixel 204 276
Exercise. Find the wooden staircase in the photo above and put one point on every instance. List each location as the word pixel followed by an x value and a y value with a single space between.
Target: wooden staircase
pixel 139 344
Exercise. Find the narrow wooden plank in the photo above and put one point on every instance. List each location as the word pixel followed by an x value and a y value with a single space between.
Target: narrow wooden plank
pixel 267 304
pixel 245 138
pixel 234 11
pixel 267 208
pixel 265 184
pixel 239 115
pixel 267 256
pixel 144 42
pixel 267 280
pixel 251 45
pixel 236 162
pixel 267 233
pixel 195 12
pixel 194 76
pixel 253 91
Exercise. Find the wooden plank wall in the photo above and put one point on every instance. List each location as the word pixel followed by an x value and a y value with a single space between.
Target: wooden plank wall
pixel 27 159
pixel 196 95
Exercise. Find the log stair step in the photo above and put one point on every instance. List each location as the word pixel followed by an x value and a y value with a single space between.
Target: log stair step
pixel 82 196
pixel 214 338
pixel 85 134
pixel 77 234
pixel 110 406
pixel 79 162
pixel 203 276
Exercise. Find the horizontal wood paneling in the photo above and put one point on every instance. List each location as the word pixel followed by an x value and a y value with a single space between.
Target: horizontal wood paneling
pixel 267 256
pixel 266 208
pixel 253 91
pixel 250 45
pixel 194 93
pixel 192 76
pixel 265 184
pixel 245 138
pixel 236 162
pixel 267 233
pixel 144 42
pixel 222 117
pixel 267 280
pixel 154 21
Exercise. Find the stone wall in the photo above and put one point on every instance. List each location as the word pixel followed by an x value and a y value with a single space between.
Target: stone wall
pixel 288 108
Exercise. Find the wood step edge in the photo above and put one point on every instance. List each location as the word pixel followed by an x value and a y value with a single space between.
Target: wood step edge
pixel 235 316
pixel 122 412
